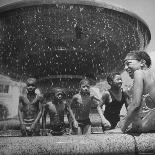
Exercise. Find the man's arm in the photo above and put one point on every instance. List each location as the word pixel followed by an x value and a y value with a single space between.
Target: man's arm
pixel 105 123
pixel 73 103
pixel 39 113
pixel 44 116
pixel 137 95
pixel 20 113
pixel 127 99
pixel 68 108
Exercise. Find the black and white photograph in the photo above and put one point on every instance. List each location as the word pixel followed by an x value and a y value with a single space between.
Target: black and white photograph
pixel 77 77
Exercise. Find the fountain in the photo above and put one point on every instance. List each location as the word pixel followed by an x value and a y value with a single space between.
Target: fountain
pixel 59 42
pixel 66 37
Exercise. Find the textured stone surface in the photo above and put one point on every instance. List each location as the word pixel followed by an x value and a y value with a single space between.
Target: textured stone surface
pixel 108 143
pixel 145 143
pixel 93 144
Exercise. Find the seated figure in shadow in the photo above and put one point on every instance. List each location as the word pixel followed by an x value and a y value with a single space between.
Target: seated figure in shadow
pixel 30 110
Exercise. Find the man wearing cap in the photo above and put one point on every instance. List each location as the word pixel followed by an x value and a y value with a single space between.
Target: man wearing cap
pixel 30 110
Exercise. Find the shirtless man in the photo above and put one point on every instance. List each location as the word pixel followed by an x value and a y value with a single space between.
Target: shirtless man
pixel 56 109
pixel 30 110
pixel 141 112
pixel 113 100
pixel 82 103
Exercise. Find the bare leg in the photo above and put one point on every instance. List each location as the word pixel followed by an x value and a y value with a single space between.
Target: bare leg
pixel 87 130
pixel 148 122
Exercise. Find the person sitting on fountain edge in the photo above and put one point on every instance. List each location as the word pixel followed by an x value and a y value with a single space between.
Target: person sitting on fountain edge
pixel 30 110
pixel 113 100
pixel 141 112
pixel 82 103
pixel 56 108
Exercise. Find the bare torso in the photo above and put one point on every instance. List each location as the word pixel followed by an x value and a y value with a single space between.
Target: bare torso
pixel 30 107
pixel 56 112
pixel 145 115
pixel 82 105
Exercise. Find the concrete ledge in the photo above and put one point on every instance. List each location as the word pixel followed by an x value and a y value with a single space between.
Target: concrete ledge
pixel 105 144
pixel 145 143
pixel 92 144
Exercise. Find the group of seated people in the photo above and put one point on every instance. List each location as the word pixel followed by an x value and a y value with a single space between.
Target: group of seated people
pixel 140 107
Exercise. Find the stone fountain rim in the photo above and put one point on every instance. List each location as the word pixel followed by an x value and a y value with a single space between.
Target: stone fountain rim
pixel 6 5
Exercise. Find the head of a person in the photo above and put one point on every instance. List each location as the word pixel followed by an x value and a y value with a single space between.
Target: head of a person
pixel 31 85
pixel 85 86
pixel 114 79
pixel 136 60
pixel 59 94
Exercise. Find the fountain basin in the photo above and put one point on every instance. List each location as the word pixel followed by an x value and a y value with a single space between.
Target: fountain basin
pixel 67 37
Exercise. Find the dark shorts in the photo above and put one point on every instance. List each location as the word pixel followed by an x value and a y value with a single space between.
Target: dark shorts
pixel 113 119
pixel 58 130
pixel 83 123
